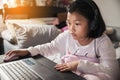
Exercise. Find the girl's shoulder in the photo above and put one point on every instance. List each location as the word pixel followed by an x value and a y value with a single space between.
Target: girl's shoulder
pixel 102 38
pixel 65 33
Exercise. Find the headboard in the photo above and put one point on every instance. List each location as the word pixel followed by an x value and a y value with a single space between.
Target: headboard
pixel 33 12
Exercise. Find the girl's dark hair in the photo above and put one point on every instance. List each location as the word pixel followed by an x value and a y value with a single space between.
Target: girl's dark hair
pixel 90 11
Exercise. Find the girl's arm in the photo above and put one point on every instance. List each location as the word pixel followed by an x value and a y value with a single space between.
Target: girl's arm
pixel 55 46
pixel 108 63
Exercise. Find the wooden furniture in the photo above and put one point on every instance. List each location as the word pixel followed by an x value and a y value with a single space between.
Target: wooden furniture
pixel 33 12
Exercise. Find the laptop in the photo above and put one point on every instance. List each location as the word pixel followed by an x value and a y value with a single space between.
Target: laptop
pixel 25 69
pixel 34 69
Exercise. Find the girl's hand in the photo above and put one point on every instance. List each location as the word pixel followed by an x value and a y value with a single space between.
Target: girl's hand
pixel 67 66
pixel 21 52
pixel 15 54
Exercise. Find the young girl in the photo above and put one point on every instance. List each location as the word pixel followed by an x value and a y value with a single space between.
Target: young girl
pixel 89 52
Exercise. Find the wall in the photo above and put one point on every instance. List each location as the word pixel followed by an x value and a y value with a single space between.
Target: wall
pixel 110 10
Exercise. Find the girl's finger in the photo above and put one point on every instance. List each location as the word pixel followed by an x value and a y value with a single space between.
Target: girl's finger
pixel 62 67
pixel 65 69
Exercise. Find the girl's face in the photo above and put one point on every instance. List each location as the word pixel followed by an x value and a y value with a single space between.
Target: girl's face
pixel 77 25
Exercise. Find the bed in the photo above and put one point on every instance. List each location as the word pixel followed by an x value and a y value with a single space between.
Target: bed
pixel 29 26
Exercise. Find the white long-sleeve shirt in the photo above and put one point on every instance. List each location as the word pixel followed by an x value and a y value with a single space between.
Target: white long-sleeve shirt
pixel 65 43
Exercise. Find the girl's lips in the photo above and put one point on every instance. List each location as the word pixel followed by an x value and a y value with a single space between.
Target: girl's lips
pixel 73 35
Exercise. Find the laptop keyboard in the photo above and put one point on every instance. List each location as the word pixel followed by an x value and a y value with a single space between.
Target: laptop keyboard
pixel 18 71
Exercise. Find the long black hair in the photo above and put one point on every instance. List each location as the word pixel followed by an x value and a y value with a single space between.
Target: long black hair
pixel 90 11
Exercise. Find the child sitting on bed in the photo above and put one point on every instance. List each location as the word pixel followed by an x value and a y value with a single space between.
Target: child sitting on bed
pixel 89 52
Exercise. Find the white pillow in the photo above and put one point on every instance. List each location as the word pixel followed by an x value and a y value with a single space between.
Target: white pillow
pixel 31 35
pixel 9 34
pixel 2 27
pixel 6 35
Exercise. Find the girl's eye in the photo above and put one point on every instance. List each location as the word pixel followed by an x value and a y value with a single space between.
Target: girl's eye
pixel 68 23
pixel 77 24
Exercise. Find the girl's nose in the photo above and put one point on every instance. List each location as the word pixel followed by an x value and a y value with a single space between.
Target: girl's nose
pixel 71 28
